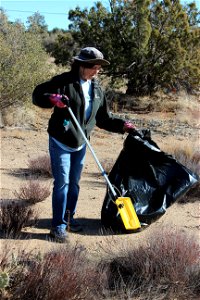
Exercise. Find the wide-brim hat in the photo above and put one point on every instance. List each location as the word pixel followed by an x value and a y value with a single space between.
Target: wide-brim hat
pixel 91 55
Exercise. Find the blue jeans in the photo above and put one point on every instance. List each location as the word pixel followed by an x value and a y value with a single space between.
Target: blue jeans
pixel 66 169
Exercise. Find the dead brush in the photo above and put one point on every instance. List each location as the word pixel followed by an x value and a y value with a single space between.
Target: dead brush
pixel 14 264
pixel 40 166
pixel 192 161
pixel 166 267
pixel 185 153
pixel 33 191
pixel 14 216
pixel 61 274
pixel 190 158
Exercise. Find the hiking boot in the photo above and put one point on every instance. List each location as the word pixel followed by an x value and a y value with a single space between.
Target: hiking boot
pixel 59 234
pixel 74 226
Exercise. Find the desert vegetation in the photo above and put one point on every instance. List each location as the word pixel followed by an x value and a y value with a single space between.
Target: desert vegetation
pixel 157 49
pixel 33 191
pixel 187 155
pixel 165 267
pixel 14 217
pixel 153 80
pixel 40 166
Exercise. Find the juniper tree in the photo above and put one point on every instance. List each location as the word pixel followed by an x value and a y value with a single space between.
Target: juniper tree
pixel 152 44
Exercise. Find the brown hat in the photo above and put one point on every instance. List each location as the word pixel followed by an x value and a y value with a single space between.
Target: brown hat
pixel 92 56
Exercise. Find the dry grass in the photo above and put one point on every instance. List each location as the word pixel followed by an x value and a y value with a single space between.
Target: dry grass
pixel 166 267
pixel 189 156
pixel 18 116
pixel 178 103
pixel 158 102
pixel 33 191
pixel 40 166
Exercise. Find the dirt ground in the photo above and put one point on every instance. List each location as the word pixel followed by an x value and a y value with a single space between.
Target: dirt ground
pixel 19 145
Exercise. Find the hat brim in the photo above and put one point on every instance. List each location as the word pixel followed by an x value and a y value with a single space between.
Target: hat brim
pixel 95 61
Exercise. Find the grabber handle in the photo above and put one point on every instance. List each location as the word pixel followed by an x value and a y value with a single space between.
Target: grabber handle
pixel 65 100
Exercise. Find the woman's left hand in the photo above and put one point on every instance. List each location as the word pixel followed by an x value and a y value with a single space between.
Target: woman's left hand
pixel 129 126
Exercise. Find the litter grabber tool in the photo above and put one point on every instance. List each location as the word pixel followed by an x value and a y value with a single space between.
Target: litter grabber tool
pixel 124 204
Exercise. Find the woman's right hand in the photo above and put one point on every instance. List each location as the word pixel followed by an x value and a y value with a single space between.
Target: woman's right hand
pixel 56 100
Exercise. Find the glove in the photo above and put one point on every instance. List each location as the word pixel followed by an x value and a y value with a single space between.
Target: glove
pixel 129 127
pixel 56 100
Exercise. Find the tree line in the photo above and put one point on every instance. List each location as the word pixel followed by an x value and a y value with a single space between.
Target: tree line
pixel 151 44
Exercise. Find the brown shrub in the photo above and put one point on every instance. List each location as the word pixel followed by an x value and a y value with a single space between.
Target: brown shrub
pixel 189 159
pixel 33 191
pixel 167 267
pixel 14 216
pixel 41 166
pixel 64 274
pixel 192 161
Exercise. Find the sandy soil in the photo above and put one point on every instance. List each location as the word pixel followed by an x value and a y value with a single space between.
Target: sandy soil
pixel 19 145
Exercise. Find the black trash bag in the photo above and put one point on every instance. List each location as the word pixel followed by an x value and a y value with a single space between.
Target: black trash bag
pixel 152 179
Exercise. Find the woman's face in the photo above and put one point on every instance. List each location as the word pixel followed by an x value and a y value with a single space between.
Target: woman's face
pixel 89 73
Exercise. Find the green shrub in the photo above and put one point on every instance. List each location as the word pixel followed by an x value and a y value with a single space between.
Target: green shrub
pixel 23 63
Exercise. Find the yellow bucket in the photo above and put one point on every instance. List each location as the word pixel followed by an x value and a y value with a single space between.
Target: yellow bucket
pixel 127 213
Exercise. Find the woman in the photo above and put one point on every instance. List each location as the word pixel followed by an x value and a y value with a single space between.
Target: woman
pixel 67 147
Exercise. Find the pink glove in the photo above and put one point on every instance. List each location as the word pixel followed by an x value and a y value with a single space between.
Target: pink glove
pixel 56 100
pixel 128 126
